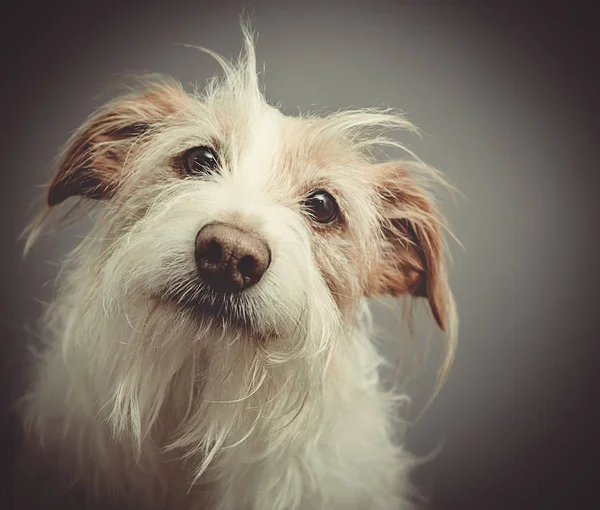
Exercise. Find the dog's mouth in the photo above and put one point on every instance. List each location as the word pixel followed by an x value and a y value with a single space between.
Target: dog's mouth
pixel 219 311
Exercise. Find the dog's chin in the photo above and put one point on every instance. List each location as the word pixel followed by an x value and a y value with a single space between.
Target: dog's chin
pixel 221 313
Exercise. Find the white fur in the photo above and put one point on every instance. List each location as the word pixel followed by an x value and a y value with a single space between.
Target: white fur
pixel 160 408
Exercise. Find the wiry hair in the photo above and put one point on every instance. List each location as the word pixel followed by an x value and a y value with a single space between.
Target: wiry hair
pixel 266 399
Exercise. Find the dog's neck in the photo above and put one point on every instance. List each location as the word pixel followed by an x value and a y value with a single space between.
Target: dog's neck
pixel 192 389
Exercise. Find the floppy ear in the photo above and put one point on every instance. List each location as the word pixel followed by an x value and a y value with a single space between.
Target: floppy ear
pixel 93 162
pixel 411 259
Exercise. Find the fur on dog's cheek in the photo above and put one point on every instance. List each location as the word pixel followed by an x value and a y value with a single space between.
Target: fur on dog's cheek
pixel 334 256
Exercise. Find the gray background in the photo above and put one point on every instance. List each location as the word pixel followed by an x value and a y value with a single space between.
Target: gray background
pixel 505 98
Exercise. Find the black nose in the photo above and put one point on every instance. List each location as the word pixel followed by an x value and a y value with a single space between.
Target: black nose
pixel 230 259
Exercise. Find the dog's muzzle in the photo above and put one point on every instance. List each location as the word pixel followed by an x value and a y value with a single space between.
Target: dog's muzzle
pixel 230 259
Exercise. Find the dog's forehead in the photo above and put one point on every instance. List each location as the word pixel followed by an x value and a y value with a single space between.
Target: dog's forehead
pixel 270 149
pixel 263 140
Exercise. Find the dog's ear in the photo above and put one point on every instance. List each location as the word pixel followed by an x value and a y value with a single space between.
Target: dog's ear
pixel 411 260
pixel 94 159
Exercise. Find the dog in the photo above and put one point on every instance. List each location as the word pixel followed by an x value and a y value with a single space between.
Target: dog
pixel 210 341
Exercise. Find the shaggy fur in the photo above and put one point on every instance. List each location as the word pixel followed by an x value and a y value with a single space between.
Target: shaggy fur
pixel 151 393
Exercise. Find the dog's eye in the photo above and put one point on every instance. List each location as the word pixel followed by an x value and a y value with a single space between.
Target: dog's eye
pixel 200 160
pixel 322 207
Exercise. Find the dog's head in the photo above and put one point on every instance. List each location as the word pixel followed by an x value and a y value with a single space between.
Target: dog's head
pixel 219 205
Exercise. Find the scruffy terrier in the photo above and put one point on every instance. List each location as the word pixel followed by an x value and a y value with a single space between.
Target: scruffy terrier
pixel 209 343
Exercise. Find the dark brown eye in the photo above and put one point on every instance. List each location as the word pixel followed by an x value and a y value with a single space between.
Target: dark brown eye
pixel 200 160
pixel 322 207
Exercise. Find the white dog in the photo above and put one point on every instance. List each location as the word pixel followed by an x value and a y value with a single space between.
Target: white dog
pixel 209 343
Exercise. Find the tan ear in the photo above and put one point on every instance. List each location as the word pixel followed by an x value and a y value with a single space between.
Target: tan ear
pixel 94 160
pixel 411 259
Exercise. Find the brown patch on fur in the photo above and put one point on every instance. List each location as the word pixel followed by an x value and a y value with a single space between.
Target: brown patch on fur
pixel 306 162
pixel 93 163
pixel 411 259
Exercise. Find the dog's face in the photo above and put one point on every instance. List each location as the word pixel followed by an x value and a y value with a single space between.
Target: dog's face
pixel 221 205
